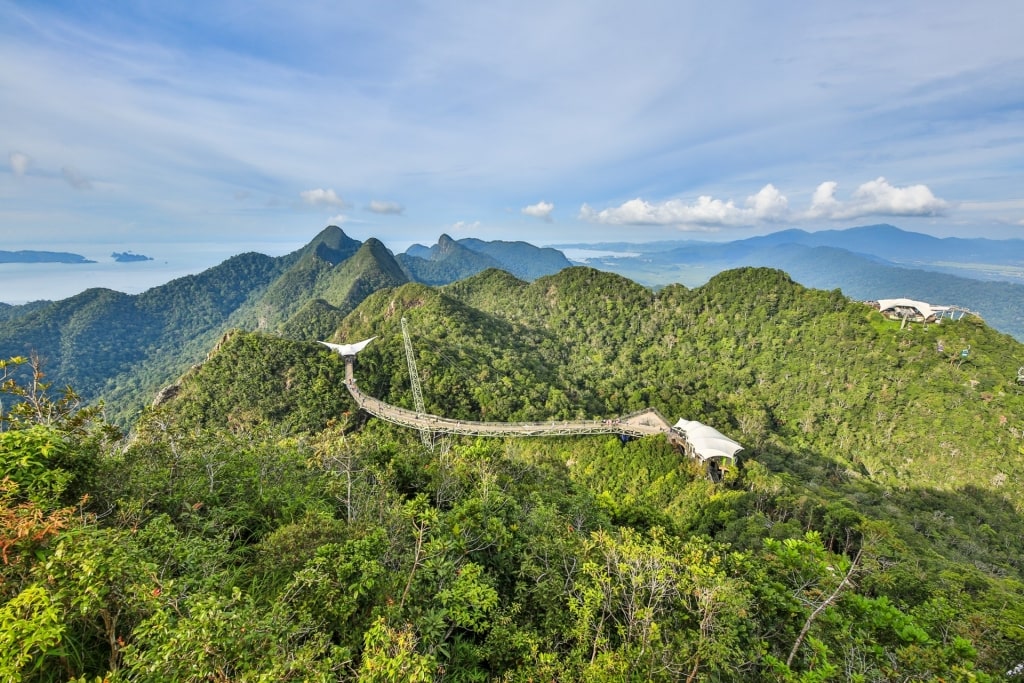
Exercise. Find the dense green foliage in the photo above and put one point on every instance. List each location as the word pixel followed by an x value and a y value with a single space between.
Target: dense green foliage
pixel 868 263
pixel 1001 303
pixel 522 259
pixel 122 349
pixel 446 262
pixel 255 526
pixel 450 260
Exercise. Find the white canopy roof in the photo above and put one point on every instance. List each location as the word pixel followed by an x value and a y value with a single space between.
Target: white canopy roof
pixel 927 310
pixel 349 349
pixel 707 441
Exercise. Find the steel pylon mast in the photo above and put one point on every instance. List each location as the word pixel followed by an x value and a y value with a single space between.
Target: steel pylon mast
pixel 414 379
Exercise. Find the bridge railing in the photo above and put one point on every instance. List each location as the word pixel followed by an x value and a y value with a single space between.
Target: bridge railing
pixel 638 423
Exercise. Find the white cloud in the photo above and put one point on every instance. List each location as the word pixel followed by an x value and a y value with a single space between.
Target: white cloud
pixel 464 226
pixel 320 197
pixel 338 220
pixel 767 205
pixel 540 210
pixel 824 203
pixel 75 178
pixel 387 208
pixel 878 196
pixel 875 198
pixel 442 107
pixel 19 163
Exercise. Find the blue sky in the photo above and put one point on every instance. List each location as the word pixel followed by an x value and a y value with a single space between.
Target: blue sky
pixel 135 123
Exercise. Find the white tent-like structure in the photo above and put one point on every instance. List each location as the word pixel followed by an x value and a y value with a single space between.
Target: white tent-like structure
pixel 707 442
pixel 911 308
pixel 349 349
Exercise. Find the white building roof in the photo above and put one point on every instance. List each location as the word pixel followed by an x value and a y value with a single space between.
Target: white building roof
pixel 927 310
pixel 707 441
pixel 349 349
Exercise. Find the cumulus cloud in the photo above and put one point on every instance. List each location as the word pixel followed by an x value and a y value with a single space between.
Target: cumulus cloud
pixel 75 178
pixel 338 220
pixel 767 205
pixel 461 226
pixel 823 202
pixel 19 163
pixel 540 210
pixel 320 197
pixel 875 198
pixel 387 208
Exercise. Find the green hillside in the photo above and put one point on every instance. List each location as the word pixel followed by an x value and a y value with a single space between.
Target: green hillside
pixel 122 349
pixel 257 526
pixel 446 262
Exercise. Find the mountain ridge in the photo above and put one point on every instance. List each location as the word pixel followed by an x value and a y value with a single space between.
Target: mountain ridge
pixel 155 335
pixel 880 486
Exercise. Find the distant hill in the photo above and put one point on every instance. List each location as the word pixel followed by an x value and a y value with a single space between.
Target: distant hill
pixel 262 520
pixel 447 261
pixel 1000 303
pixel 29 256
pixel 871 262
pixel 129 257
pixel 450 260
pixel 522 259
pixel 883 241
pixel 11 311
pixel 123 348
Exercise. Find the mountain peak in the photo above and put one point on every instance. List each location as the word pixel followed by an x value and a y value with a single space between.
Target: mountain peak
pixel 332 245
pixel 445 245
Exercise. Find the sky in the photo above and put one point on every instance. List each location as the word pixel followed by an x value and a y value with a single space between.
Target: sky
pixel 136 124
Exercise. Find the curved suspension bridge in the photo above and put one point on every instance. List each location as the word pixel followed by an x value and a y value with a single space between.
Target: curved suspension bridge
pixel 642 423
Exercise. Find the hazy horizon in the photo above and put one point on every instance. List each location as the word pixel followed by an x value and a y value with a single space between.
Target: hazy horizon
pixel 27 282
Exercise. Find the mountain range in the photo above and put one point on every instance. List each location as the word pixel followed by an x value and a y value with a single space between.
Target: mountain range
pixel 122 348
pixel 866 263
pixel 256 524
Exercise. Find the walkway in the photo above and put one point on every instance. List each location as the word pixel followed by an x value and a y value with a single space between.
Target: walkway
pixel 646 422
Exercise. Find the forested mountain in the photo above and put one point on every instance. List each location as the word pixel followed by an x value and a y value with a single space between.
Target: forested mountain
pixel 10 311
pixel 257 526
pixel 445 262
pixel 1000 303
pixel 450 260
pixel 522 259
pixel 122 348
pixel 901 246
pixel 868 263
pixel 883 241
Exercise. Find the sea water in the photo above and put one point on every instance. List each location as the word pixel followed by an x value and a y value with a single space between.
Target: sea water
pixel 24 282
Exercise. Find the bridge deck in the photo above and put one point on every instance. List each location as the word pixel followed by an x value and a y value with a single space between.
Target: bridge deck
pixel 643 423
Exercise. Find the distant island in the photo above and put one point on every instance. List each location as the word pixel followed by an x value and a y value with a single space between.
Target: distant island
pixel 28 256
pixel 129 257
